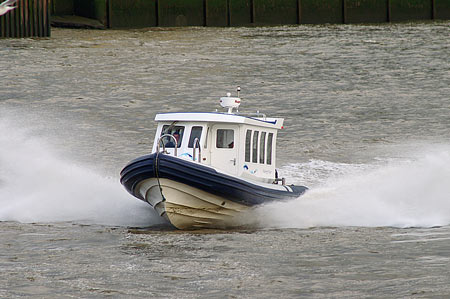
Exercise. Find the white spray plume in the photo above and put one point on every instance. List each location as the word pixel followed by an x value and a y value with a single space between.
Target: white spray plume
pixel 36 185
pixel 414 193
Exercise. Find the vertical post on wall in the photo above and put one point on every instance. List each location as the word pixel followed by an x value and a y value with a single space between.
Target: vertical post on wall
pixel 49 27
pixel 23 17
pixel 228 14
pixel 11 18
pixel 7 26
pixel 108 14
pixel 15 23
pixel 388 11
pixel 433 9
pixel 205 12
pixel 252 11
pixel 44 17
pixel 21 24
pixel 157 13
pixel 30 18
pixel 3 23
pixel 35 19
pixel 2 27
pixel 40 18
pixel 344 12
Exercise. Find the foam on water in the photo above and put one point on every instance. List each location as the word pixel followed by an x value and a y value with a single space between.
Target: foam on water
pixel 37 185
pixel 407 193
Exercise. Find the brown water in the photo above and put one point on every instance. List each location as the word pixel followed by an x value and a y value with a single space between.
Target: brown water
pixel 367 111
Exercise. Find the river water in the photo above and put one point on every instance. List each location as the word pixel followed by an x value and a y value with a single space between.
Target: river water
pixel 367 129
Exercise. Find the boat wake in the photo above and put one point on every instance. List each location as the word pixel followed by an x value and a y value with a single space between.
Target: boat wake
pixel 408 193
pixel 38 186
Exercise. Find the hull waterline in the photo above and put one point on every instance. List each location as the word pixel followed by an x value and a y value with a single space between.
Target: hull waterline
pixel 191 195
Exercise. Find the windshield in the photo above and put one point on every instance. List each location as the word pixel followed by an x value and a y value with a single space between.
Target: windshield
pixel 176 131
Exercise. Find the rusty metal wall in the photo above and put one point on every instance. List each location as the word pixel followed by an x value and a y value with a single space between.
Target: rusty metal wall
pixel 31 18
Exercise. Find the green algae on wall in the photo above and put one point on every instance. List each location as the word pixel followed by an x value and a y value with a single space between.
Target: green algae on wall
pixel 365 11
pixel 92 9
pixel 321 11
pixel 240 12
pixel 441 9
pixel 132 13
pixel 180 13
pixel 216 13
pixel 407 10
pixel 167 13
pixel 276 11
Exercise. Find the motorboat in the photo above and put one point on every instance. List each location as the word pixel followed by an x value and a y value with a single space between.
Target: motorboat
pixel 207 168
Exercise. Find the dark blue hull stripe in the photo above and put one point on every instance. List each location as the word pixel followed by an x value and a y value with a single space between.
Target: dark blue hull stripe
pixel 201 177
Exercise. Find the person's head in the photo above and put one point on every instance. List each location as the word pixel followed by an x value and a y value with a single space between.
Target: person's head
pixel 176 135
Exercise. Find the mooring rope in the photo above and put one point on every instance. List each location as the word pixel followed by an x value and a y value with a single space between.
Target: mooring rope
pixel 156 166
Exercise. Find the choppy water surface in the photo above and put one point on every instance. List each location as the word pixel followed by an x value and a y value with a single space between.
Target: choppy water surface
pixel 367 127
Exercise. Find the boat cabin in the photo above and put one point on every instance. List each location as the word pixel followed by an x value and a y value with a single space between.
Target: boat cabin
pixel 232 143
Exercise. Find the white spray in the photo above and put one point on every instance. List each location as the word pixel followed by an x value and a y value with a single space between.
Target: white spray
pixel 38 186
pixel 414 193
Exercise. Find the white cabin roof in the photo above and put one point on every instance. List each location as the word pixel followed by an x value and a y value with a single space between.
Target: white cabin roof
pixel 218 117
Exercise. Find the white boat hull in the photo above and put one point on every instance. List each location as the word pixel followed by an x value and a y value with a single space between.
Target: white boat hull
pixel 187 207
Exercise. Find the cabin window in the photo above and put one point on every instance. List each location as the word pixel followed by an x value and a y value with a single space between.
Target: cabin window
pixel 175 131
pixel 255 147
pixel 262 143
pixel 248 141
pixel 196 132
pixel 225 138
pixel 269 148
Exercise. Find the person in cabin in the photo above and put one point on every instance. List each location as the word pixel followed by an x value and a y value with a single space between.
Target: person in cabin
pixel 171 143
